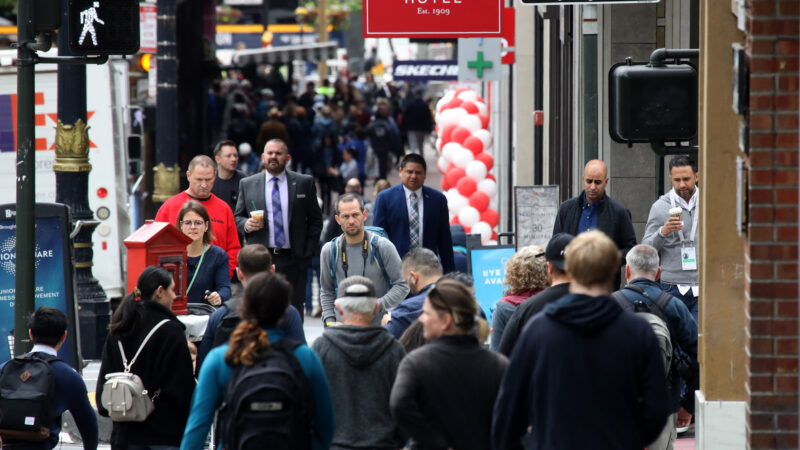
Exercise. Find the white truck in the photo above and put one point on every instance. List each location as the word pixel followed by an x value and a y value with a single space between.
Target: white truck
pixel 108 117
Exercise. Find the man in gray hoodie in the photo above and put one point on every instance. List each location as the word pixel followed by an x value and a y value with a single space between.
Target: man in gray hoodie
pixel 361 363
pixel 675 235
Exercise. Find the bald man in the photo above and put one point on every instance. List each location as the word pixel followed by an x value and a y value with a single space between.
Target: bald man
pixel 593 209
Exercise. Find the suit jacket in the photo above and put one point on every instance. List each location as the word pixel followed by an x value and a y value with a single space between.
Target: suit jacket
pixel 305 216
pixel 391 214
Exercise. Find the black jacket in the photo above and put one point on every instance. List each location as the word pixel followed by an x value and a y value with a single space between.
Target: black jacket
pixel 165 367
pixel 525 311
pixel 584 374
pixel 444 392
pixel 613 219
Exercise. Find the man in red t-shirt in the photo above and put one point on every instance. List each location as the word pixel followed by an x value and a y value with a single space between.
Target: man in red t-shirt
pixel 201 175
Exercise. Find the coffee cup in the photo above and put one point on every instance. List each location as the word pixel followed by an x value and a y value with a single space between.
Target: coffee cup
pixel 676 212
pixel 258 215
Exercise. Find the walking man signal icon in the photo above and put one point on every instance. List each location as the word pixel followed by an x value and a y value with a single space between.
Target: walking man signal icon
pixel 88 18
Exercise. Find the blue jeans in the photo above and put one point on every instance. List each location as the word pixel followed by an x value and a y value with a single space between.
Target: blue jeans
pixel 688 298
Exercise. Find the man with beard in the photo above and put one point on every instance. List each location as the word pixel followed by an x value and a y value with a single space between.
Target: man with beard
pixel 672 228
pixel 359 252
pixel 292 220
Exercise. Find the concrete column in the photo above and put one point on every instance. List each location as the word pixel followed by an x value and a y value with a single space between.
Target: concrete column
pixel 721 347
pixel 523 96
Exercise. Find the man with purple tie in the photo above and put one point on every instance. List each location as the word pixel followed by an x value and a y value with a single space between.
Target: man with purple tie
pixel 291 221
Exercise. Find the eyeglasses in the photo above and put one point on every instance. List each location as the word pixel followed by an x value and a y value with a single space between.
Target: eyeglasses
pixel 189 223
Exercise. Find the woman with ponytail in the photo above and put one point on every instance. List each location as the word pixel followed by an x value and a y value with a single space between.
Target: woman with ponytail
pixel 164 365
pixel 444 392
pixel 266 297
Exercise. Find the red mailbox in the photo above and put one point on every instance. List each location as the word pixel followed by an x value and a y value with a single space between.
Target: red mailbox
pixel 159 244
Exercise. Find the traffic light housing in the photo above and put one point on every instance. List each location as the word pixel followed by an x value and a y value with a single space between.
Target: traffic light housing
pixel 652 103
pixel 104 27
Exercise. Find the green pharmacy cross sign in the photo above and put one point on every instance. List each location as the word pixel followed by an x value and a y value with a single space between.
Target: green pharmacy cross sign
pixel 479 59
pixel 479 64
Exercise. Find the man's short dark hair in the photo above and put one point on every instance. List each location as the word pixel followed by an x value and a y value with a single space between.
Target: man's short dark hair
pixel 220 144
pixel 254 259
pixel 347 198
pixel 47 325
pixel 424 261
pixel 413 158
pixel 682 161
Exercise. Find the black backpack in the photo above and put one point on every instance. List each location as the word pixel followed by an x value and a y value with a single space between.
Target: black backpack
pixel 27 397
pixel 228 323
pixel 268 402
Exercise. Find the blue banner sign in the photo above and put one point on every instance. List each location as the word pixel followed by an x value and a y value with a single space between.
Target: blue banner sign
pixel 425 70
pixel 488 272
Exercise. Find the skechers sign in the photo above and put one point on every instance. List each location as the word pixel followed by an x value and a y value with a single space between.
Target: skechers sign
pixel 425 70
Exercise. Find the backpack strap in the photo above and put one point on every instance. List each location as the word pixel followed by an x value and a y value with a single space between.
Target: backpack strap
pixel 334 252
pixel 377 254
pixel 622 301
pixel 659 303
pixel 144 342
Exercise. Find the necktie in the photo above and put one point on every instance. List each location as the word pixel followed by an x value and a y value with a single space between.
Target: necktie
pixel 413 232
pixel 277 215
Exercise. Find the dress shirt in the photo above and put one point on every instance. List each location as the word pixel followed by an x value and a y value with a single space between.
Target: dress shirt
pixel 409 206
pixel 283 185
pixel 588 219
pixel 41 348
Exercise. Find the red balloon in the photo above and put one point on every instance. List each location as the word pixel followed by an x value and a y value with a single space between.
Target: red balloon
pixel 460 90
pixel 447 132
pixel 455 102
pixel 467 230
pixel 491 177
pixel 459 135
pixel 484 121
pixel 474 144
pixel 436 129
pixel 445 184
pixel 491 217
pixel 486 159
pixel 466 186
pixel 479 200
pixel 494 235
pixel 454 174
pixel 480 100
pixel 454 221
pixel 471 107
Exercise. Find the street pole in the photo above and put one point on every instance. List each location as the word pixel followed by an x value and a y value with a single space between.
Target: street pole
pixel 322 24
pixel 72 169
pixel 166 173
pixel 26 186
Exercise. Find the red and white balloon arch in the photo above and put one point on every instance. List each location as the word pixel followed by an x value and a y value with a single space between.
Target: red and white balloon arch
pixel 465 160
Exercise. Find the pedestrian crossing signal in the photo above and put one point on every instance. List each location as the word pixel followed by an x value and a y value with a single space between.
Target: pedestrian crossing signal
pixel 104 27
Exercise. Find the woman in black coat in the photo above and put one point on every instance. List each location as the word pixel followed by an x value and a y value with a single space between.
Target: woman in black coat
pixel 164 365
pixel 444 392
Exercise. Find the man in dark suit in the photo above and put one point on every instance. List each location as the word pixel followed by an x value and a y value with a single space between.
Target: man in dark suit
pixel 292 219
pixel 414 215
pixel 593 209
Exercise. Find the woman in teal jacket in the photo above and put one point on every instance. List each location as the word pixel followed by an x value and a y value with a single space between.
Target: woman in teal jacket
pixel 266 298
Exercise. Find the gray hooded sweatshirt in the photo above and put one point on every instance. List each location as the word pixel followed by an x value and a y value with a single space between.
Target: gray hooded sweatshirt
pixel 669 247
pixel 361 365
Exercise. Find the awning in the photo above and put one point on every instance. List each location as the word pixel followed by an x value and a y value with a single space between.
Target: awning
pixel 285 54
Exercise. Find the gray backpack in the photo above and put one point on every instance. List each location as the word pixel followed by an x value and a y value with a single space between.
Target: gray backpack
pixel 653 313
pixel 124 394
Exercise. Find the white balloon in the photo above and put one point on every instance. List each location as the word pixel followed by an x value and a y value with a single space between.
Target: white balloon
pixel 469 216
pixel 458 202
pixel 443 163
pixel 493 204
pixel 439 143
pixel 491 242
pixel 462 157
pixel 450 192
pixel 468 96
pixel 450 216
pixel 471 122
pixel 477 171
pixel 482 108
pixel 484 229
pixel 450 149
pixel 487 186
pixel 439 104
pixel 457 114
pixel 485 137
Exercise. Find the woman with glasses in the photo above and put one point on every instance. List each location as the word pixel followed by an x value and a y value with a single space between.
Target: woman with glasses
pixel 207 265
pixel 445 390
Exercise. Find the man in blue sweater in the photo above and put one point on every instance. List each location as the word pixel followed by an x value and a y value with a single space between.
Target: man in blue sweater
pixel 47 328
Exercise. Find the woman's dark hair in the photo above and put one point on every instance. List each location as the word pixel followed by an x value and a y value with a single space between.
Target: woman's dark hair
pixel 197 208
pixel 454 298
pixel 413 337
pixel 266 298
pixel 131 309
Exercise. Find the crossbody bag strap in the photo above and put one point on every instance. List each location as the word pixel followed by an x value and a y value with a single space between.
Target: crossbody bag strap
pixel 141 346
pixel 196 269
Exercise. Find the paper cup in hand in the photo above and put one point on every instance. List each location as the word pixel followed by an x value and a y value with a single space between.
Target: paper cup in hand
pixel 258 214
pixel 676 212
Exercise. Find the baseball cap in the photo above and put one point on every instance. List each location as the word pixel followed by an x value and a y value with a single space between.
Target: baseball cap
pixel 555 249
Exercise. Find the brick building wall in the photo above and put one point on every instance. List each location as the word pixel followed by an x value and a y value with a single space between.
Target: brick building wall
pixel 771 253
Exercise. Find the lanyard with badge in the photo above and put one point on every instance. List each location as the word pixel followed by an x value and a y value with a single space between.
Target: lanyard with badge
pixel 688 249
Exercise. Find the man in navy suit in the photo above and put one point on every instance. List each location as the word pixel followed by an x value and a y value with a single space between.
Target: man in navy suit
pixel 414 215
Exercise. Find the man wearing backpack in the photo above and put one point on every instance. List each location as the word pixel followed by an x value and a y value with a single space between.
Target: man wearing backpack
pixel 359 252
pixel 253 259
pixel 641 272
pixel 48 330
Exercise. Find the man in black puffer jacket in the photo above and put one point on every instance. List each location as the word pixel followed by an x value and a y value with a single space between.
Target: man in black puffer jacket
pixel 584 373
pixel 593 209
